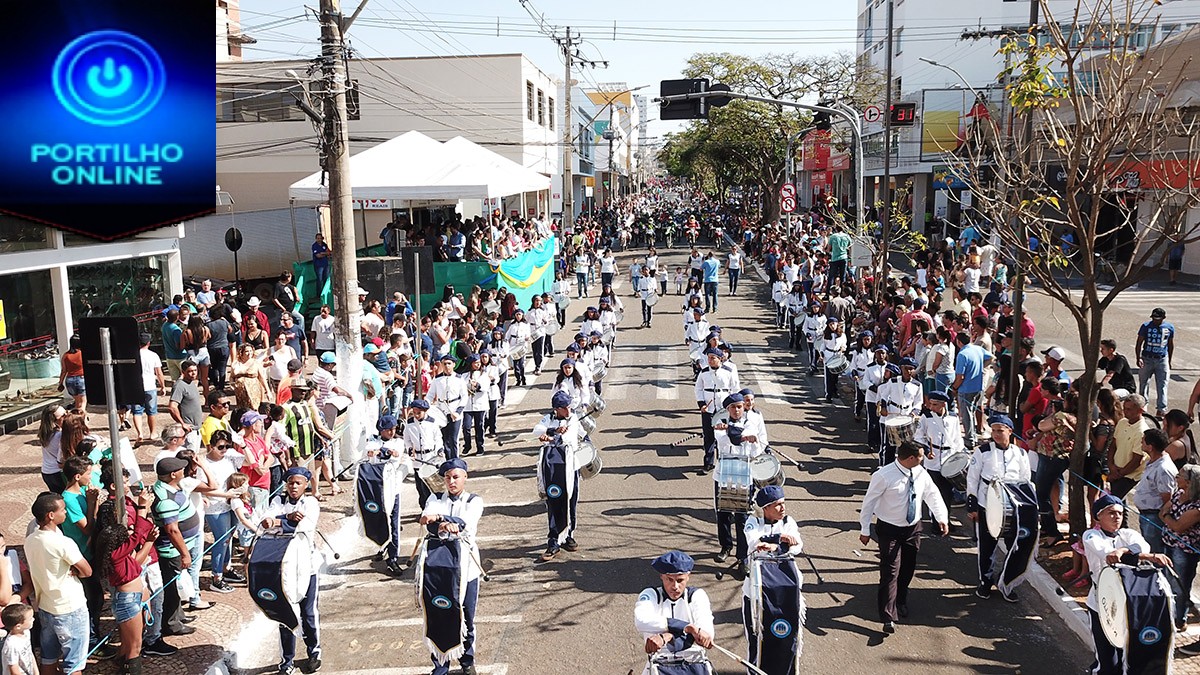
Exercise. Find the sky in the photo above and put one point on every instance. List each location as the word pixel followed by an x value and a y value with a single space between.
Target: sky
pixel 654 38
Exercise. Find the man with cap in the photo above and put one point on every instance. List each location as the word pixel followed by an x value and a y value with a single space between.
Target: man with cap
pixel 777 534
pixel 448 392
pixel 756 424
pixel 325 382
pixel 386 450
pixel 675 620
pixel 996 460
pixel 1108 543
pixel 423 441
pixel 713 384
pixel 180 528
pixel 294 512
pixel 456 513
pixel 733 440
pixel 558 474
pixel 939 433
pixel 1155 349
pixel 899 399
pixel 1055 355
pixel 894 499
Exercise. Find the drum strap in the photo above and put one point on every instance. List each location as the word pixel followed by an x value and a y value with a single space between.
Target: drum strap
pixel 1150 622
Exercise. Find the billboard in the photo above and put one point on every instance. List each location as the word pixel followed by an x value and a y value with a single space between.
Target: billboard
pixel 948 114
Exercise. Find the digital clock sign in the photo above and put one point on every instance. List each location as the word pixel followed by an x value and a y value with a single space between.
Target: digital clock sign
pixel 903 114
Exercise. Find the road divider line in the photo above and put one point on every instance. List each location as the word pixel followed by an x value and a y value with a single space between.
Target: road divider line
pixel 411 621
pixel 664 376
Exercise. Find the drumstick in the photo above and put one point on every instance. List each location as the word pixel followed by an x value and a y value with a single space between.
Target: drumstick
pixel 820 579
pixel 797 464
pixel 739 659
pixel 336 555
pixel 475 558
pixel 413 557
pixel 685 439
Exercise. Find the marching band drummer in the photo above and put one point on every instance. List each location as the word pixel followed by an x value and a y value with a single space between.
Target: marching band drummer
pixel 448 392
pixel 518 337
pixel 868 386
pixel 388 449
pixel 560 289
pixel 733 437
pixel 774 532
pixel 695 331
pixel 570 381
pixel 591 321
pixel 450 513
pixel 558 474
pixel 794 304
pixel 939 433
pixel 1107 543
pixel 861 358
pixel 693 301
pixel 813 327
pixel 833 343
pixel 608 316
pixel 898 397
pixel 713 384
pixel 754 419
pixel 997 460
pixel 295 512
pixel 423 441
pixel 676 632
pixel 647 286
pixel 779 293
pixel 597 357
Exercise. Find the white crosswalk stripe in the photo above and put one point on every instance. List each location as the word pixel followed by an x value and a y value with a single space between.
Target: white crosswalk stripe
pixel 666 376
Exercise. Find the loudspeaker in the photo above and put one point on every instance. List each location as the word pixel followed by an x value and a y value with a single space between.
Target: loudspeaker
pixel 385 275
pixel 423 267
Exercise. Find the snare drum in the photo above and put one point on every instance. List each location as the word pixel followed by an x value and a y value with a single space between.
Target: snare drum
pixel 766 470
pixel 899 429
pixel 651 299
pixel 588 424
pixel 837 364
pixel 428 474
pixel 954 469
pixel 1001 512
pixel 734 485
pixel 563 302
pixel 619 315
pixel 587 459
pixel 597 407
pixel 1112 607
pixel 599 373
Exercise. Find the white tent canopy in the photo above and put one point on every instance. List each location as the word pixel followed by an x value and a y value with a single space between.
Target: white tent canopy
pixel 414 166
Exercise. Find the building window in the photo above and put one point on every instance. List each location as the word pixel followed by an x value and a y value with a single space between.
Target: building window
pixel 529 100
pixel 258 102
pixel 541 108
pixel 18 234
pixel 550 112
pixel 898 41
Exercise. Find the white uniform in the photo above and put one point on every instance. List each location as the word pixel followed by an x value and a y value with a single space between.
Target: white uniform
pixel 989 463
pixel 449 394
pixel 570 441
pixel 758 529
pixel 423 439
pixel 478 400
pixel 942 433
pixel 712 386
pixel 814 328
pixel 832 346
pixel 860 360
pixel 581 397
pixel 281 506
pixel 874 376
pixel 900 397
pixel 655 613
pixel 756 421
pixel 468 508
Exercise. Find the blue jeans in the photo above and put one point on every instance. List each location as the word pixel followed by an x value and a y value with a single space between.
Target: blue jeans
pixel 1156 367
pixel 710 294
pixel 733 279
pixel 1152 530
pixel 154 611
pixel 1185 566
pixel 65 636
pixel 126 605
pixel 220 524
pixel 581 284
pixel 197 551
pixel 322 273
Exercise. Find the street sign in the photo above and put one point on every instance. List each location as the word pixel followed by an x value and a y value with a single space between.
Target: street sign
pixel 127 364
pixel 233 239
pixel 787 190
pixel 693 109
pixel 787 204
pixel 872 113
pixel 718 101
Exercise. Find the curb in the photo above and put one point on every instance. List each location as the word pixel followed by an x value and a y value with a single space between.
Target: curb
pixel 1072 613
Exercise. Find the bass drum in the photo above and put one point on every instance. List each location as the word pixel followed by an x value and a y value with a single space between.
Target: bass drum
pixel 766 470
pixel 954 469
pixel 587 458
pixel 278 575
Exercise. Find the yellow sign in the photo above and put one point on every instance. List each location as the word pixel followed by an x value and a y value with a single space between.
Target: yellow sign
pixel 3 325
pixel 604 98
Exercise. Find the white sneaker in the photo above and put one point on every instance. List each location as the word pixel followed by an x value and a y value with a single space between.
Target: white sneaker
pixel 199 603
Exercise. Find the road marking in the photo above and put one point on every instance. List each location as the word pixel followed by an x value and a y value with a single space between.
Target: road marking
pixel 413 621
pixel 494 669
pixel 767 385
pixel 664 376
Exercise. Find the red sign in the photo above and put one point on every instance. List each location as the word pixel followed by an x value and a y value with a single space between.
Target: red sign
pixel 788 204
pixel 816 151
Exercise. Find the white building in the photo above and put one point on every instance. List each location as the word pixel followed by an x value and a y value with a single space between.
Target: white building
pixel 265 142
pixel 921 30
pixel 583 157
pixel 609 116
pixel 51 279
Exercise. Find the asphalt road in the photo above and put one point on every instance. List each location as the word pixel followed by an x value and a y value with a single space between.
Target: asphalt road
pixel 575 614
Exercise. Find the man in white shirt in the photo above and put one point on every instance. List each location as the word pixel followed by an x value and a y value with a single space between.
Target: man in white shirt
pixel 676 621
pixel 894 497
pixel 153 385
pixel 713 384
pixel 449 393
pixel 939 433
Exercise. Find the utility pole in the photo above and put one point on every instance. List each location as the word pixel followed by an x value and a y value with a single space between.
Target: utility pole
pixel 335 142
pixel 885 217
pixel 568 186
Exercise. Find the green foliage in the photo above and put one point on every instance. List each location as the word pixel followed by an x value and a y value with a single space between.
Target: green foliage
pixel 1031 84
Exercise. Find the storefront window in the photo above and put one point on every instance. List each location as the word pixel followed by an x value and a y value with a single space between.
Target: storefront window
pixel 134 287
pixel 17 234
pixel 29 360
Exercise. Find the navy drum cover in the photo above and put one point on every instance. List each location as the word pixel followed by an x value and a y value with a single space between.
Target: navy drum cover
pixel 441 591
pixel 369 503
pixel 782 616
pixel 1151 623
pixel 681 668
pixel 554 473
pixel 1023 542
pixel 265 580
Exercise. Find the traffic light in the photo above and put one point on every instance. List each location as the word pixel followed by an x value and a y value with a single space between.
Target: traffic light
pixel 693 109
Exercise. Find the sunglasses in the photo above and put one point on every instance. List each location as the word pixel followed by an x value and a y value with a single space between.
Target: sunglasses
pixel 221 447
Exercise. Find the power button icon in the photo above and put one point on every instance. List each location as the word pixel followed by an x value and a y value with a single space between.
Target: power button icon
pixel 108 78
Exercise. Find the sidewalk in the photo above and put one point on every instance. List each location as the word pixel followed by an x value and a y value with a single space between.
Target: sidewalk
pixel 20 464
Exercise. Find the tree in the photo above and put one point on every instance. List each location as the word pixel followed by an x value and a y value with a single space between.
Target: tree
pixel 745 142
pixel 1108 156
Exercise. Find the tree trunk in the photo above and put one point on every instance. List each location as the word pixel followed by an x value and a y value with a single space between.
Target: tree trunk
pixel 1090 333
